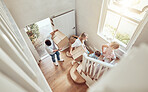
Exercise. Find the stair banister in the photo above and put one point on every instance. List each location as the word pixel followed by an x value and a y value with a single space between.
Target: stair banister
pixel 86 57
pixel 90 67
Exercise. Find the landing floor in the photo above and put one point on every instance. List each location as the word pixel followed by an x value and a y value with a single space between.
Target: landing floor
pixel 58 77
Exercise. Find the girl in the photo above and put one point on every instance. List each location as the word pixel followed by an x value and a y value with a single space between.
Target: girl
pixel 79 42
pixel 108 51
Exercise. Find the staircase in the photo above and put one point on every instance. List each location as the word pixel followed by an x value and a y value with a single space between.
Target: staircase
pixel 76 77
pixel 89 70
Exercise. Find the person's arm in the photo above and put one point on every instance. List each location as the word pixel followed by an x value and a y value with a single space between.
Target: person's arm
pixel 71 48
pixel 75 44
pixel 52 33
pixel 57 50
pixel 104 46
pixel 113 56
pixel 85 48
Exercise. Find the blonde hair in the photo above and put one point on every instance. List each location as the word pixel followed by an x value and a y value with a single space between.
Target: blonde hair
pixel 114 45
pixel 83 35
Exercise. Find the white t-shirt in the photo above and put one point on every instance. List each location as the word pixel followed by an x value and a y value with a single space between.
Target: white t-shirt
pixel 50 49
pixel 78 43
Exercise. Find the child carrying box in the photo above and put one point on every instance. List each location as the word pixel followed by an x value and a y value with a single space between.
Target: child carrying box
pixel 79 42
pixel 78 47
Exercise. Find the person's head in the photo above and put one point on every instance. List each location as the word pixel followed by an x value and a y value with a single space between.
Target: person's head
pixel 114 45
pixel 97 53
pixel 48 42
pixel 83 36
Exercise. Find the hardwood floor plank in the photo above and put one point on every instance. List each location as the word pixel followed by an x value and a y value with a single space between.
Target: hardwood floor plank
pixel 58 77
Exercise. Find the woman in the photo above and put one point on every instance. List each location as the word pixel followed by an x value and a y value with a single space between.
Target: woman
pixel 79 42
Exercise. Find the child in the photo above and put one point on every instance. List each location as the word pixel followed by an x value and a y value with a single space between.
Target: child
pixel 108 51
pixel 52 49
pixel 95 55
pixel 80 42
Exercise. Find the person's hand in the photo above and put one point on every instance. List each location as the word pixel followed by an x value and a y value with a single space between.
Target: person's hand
pixel 104 52
pixel 52 37
pixel 55 50
pixel 56 30
pixel 70 54
pixel 60 48
pixel 53 33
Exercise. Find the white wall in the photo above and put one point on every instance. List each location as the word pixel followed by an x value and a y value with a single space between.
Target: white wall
pixel 26 12
pixel 87 17
pixel 143 37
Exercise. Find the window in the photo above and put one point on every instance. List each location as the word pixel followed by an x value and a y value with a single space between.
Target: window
pixel 122 20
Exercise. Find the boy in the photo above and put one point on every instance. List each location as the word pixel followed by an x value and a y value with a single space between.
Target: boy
pixel 52 49
pixel 95 55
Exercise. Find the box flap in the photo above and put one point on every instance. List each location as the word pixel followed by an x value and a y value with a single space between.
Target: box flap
pixel 60 39
pixel 60 35
pixel 63 43
pixel 56 39
pixel 77 49
pixel 78 52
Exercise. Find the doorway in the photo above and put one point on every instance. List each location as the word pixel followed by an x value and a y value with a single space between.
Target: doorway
pixel 37 33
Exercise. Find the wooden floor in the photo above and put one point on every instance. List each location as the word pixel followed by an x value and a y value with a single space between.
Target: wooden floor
pixel 58 77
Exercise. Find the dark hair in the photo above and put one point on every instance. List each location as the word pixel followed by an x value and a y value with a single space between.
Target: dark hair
pixel 97 53
pixel 48 42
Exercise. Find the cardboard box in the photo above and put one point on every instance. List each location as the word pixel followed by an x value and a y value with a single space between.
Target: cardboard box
pixel 72 39
pixel 77 53
pixel 61 40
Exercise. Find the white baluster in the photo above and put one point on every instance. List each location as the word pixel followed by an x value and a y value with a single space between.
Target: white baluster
pixel 91 66
pixel 87 66
pixel 100 68
pixel 95 69
pixel 84 64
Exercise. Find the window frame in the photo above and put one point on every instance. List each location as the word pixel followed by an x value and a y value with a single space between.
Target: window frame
pixel 103 13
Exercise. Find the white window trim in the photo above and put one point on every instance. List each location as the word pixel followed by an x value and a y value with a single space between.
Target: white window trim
pixel 138 30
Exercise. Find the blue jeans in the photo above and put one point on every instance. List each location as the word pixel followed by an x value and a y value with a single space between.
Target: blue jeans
pixel 53 56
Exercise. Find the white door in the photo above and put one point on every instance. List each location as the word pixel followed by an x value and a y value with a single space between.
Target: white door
pixel 65 23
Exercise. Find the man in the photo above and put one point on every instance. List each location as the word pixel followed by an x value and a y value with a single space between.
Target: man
pixel 52 49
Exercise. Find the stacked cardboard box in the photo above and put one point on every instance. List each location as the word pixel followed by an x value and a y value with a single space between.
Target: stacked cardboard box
pixel 61 40
pixel 77 53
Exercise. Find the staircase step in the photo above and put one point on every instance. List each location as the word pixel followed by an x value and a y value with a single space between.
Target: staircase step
pixel 79 68
pixel 76 77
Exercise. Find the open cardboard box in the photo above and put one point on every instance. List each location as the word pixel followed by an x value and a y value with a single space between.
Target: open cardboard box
pixel 77 53
pixel 61 40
